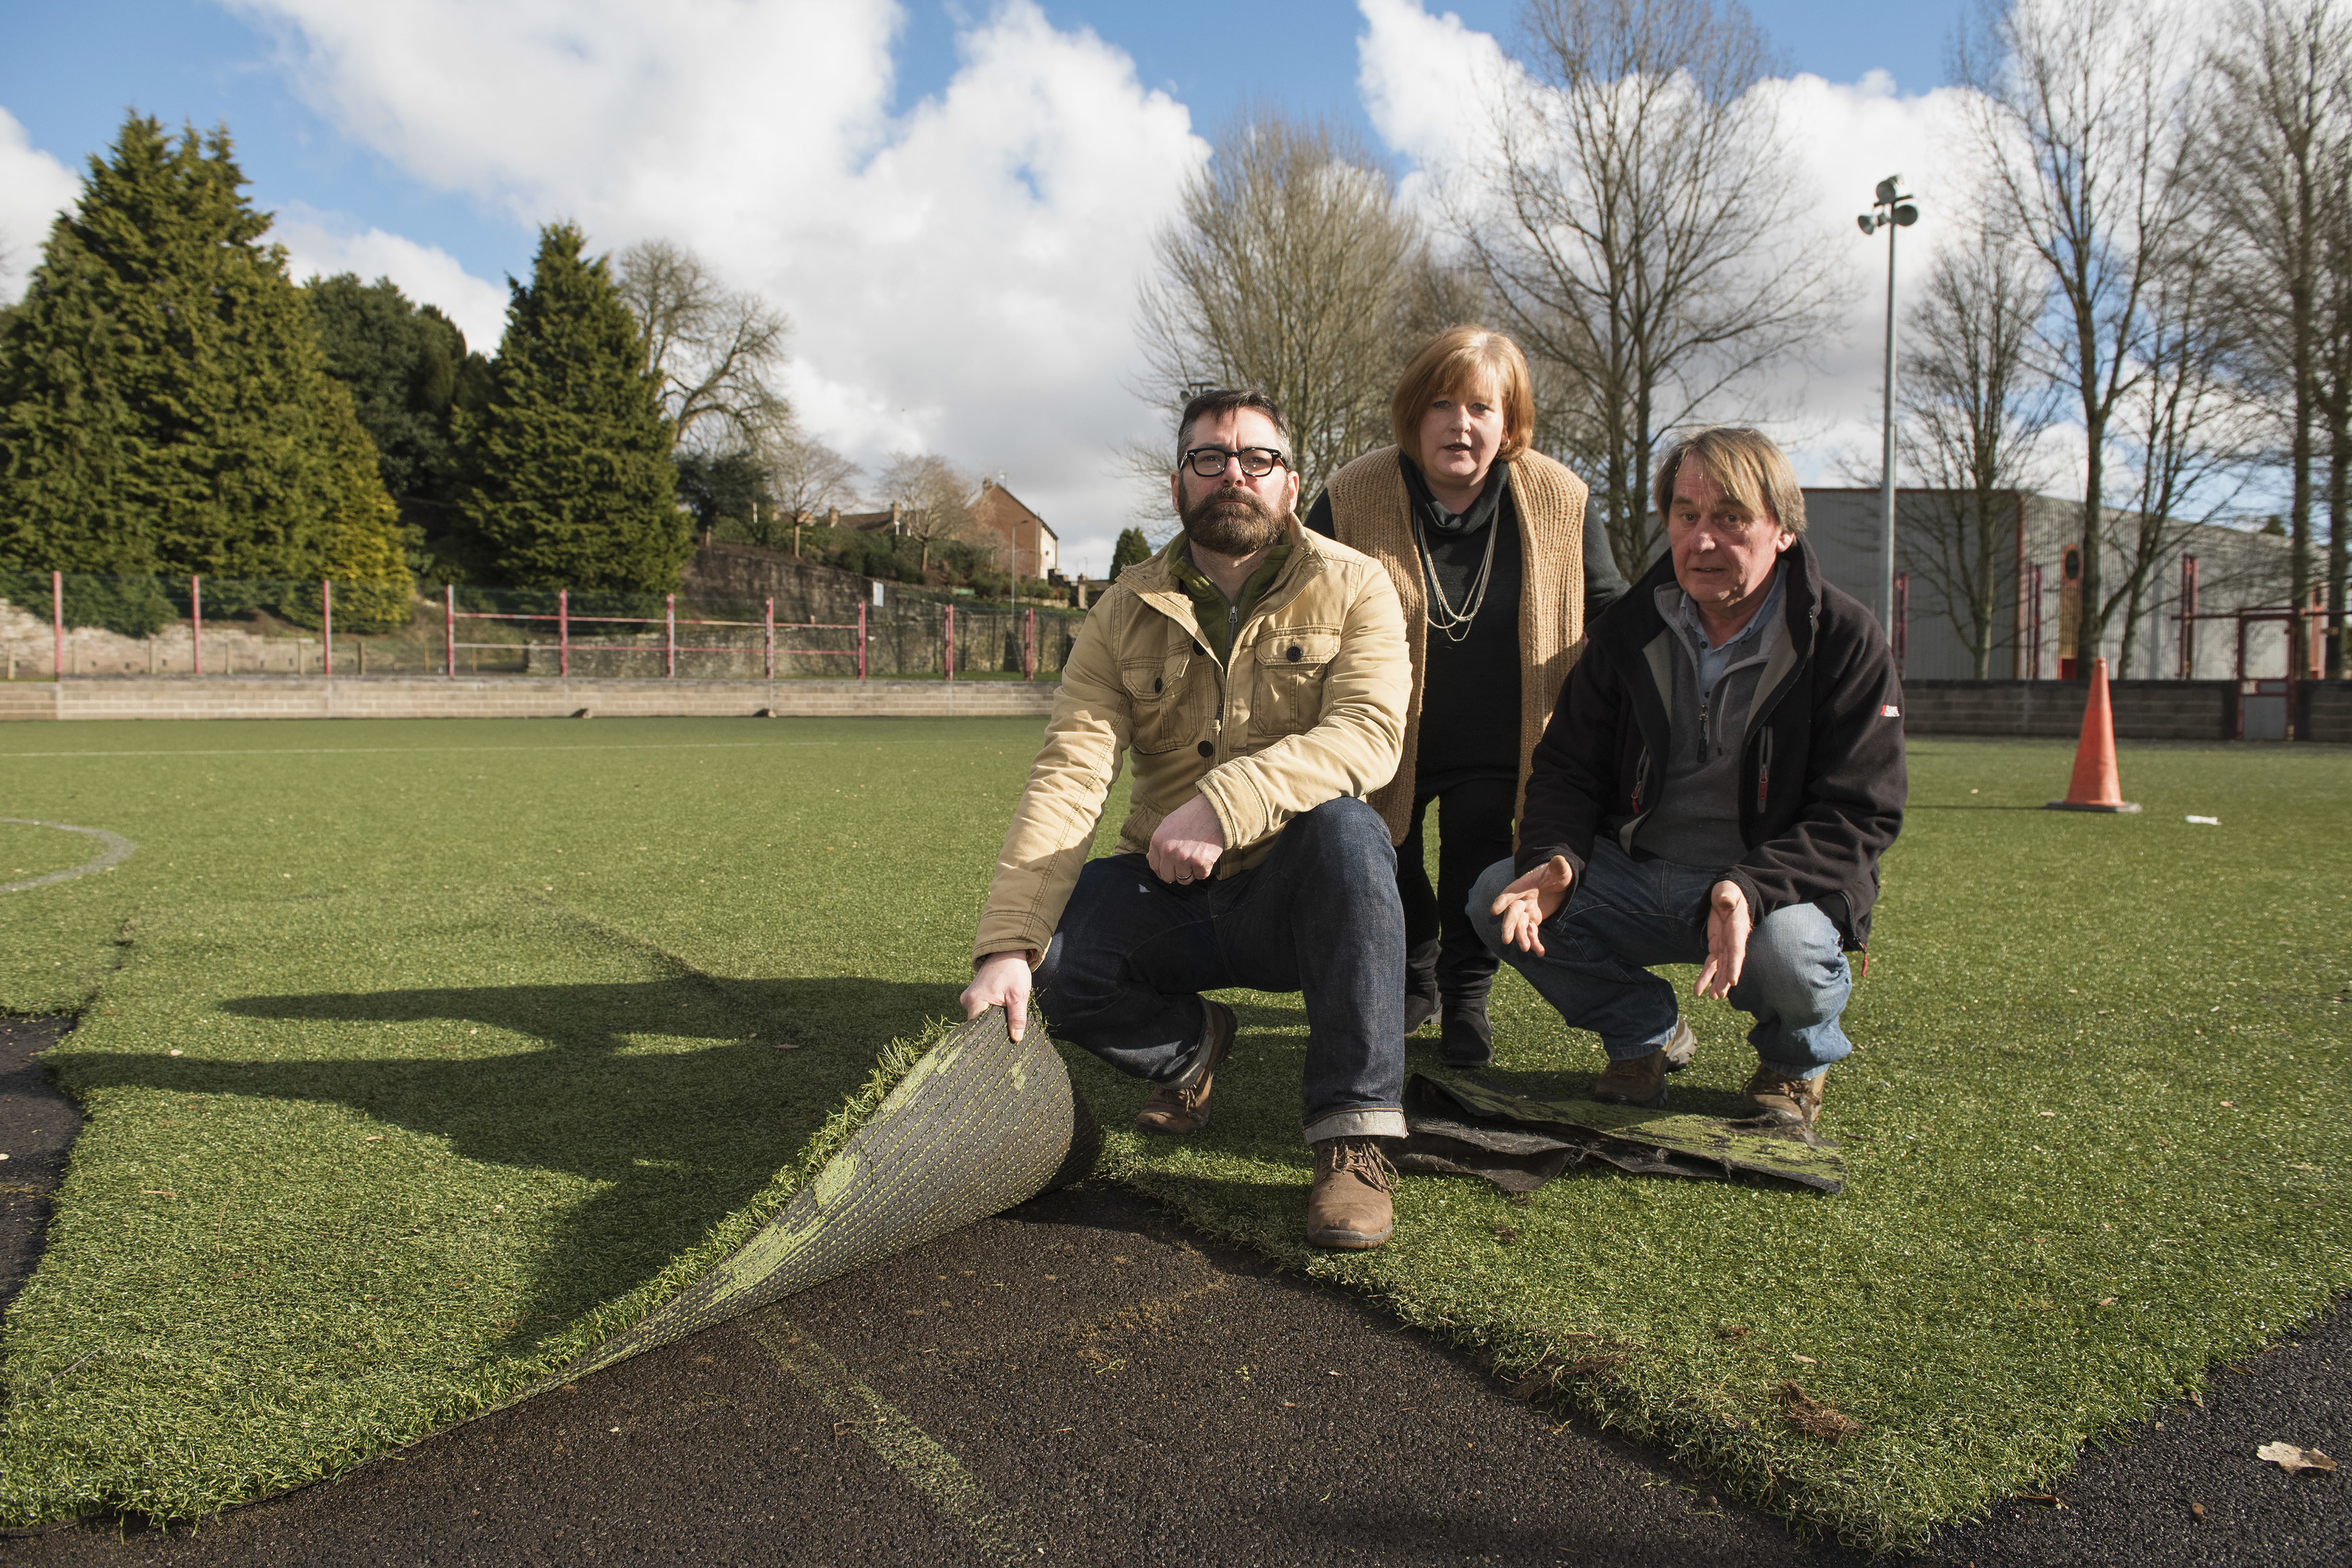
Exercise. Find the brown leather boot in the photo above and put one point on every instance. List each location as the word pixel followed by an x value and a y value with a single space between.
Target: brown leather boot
pixel 1781 1101
pixel 1643 1080
pixel 1640 1081
pixel 1351 1208
pixel 1175 1109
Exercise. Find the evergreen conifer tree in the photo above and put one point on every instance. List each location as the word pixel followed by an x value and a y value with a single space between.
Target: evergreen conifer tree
pixel 1131 550
pixel 569 475
pixel 164 402
pixel 409 370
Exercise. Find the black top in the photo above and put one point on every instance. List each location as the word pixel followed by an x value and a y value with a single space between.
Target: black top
pixel 1470 689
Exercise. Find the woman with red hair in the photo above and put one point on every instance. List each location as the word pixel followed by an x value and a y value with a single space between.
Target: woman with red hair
pixel 1500 568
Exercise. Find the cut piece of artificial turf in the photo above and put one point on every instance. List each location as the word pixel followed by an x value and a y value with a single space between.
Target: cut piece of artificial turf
pixel 976 1123
pixel 1460 1124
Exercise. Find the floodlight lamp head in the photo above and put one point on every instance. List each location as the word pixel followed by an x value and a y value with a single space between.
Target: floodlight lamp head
pixel 1906 215
pixel 1867 224
pixel 1887 188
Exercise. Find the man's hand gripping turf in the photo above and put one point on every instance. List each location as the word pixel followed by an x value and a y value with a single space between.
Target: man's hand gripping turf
pixel 1002 980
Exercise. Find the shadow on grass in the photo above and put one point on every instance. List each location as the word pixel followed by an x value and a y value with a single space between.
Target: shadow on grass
pixel 675 1140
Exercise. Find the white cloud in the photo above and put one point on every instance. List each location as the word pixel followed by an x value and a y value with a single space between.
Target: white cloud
pixel 317 245
pixel 1427 81
pixel 33 188
pixel 962 276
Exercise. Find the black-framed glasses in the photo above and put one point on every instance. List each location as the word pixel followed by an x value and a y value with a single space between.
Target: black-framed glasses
pixel 1209 462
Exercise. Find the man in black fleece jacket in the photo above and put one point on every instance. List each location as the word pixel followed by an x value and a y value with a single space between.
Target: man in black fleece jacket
pixel 1716 784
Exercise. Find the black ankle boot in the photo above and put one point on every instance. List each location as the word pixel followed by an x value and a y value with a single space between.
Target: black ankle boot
pixel 1469 1038
pixel 1421 1000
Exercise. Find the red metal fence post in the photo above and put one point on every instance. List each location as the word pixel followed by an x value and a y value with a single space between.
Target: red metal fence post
pixel 669 646
pixel 449 631
pixel 772 640
pixel 563 632
pixel 327 626
pixel 950 651
pixel 861 639
pixel 57 618
pixel 2188 618
pixel 2034 622
pixel 197 610
pixel 1902 620
pixel 1029 647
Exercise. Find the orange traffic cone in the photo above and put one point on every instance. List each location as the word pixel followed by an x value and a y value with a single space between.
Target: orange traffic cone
pixel 2096 787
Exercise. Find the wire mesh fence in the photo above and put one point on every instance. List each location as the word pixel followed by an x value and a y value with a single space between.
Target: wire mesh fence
pixel 55 625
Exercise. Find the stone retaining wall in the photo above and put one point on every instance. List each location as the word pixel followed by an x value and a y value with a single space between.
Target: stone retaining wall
pixel 415 697
pixel 2144 710
pixel 2326 710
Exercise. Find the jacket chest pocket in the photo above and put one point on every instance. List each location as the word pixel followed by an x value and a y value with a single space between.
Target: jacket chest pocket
pixel 1292 662
pixel 1158 702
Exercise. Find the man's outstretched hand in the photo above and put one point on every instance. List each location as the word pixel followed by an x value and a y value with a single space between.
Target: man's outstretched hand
pixel 1728 922
pixel 1186 844
pixel 1534 898
pixel 1001 981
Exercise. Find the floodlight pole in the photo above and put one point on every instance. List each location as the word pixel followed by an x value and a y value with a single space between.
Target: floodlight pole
pixel 1891 210
pixel 1886 457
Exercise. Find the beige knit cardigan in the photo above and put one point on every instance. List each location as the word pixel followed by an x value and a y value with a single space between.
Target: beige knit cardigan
pixel 1371 510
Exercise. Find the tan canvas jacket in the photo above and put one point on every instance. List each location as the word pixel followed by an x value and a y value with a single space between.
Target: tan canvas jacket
pixel 1311 708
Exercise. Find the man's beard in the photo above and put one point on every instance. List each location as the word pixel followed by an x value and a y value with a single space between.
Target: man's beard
pixel 1231 523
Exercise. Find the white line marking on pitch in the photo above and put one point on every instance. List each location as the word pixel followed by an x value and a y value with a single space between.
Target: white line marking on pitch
pixel 118 850
pixel 915 1454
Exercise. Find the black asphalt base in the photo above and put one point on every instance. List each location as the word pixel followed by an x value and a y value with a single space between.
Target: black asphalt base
pixel 1077 1381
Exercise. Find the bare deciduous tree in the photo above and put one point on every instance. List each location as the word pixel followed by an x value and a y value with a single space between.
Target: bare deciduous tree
pixel 715 351
pixel 807 477
pixel 1972 415
pixel 2334 396
pixel 2273 172
pixel 933 496
pixel 2081 124
pixel 1641 229
pixel 1288 270
pixel 2182 427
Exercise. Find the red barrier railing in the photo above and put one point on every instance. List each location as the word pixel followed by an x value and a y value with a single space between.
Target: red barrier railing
pixel 564 618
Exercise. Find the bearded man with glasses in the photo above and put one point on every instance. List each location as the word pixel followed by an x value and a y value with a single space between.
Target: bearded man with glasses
pixel 1258 674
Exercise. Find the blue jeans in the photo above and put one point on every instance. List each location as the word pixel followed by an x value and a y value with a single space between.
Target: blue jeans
pixel 1624 915
pixel 1319 915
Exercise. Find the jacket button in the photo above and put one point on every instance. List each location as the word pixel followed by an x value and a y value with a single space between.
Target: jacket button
pixel 1155 683
pixel 1294 655
pixel 1207 749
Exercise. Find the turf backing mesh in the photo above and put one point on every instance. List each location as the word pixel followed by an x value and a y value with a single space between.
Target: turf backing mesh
pixel 981 1123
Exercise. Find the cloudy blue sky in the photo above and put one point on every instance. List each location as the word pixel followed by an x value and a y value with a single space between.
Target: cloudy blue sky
pixel 953 201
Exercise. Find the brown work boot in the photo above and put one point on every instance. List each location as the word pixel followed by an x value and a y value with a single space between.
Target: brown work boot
pixel 1182 1107
pixel 1640 1081
pixel 1781 1101
pixel 1643 1080
pixel 1351 1208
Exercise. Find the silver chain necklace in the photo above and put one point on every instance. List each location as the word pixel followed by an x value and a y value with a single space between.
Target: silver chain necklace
pixel 1443 616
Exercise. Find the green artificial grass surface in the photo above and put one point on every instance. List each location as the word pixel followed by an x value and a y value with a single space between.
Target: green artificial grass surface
pixel 475 1023
pixel 2094 1131
pixel 420 1059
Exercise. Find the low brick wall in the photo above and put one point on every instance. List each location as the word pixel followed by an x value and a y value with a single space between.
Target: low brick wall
pixel 2327 711
pixel 425 697
pixel 2144 710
